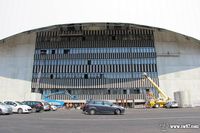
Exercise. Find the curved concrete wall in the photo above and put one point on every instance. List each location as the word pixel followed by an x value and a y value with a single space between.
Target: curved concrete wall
pixel 16 64
pixel 178 61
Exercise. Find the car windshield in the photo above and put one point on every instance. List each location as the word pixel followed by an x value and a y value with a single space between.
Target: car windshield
pixel 20 103
pixel 46 103
pixel 2 103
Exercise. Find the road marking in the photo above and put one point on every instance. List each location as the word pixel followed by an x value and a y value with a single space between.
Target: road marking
pixel 134 119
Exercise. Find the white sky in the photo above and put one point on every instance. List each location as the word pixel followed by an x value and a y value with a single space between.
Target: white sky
pixel 182 16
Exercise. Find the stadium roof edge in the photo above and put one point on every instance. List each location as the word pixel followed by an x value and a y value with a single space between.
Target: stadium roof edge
pixel 98 23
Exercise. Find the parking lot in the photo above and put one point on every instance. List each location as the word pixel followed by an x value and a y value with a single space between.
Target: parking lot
pixel 74 121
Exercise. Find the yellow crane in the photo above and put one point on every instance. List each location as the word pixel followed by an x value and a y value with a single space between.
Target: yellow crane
pixel 161 100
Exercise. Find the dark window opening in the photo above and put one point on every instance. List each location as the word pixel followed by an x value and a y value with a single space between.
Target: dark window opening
pixel 89 62
pixel 66 51
pixel 117 27
pixel 71 28
pixel 83 38
pixel 69 91
pixel 51 76
pixel 101 76
pixel 32 89
pixel 85 76
pixel 113 37
pixel 152 66
pixel 155 68
pixel 40 91
pixel 54 90
pixel 124 91
pixel 53 51
pixel 136 91
pixel 43 51
pixel 108 91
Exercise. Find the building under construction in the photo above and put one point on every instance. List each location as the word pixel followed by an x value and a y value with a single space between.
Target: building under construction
pixel 98 61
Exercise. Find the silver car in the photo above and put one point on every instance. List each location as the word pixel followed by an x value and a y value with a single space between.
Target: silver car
pixel 18 107
pixel 172 104
pixel 5 109
pixel 46 106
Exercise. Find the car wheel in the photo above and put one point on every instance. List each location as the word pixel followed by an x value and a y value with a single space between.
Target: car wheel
pixel 92 112
pixel 33 110
pixel 20 111
pixel 0 111
pixel 117 112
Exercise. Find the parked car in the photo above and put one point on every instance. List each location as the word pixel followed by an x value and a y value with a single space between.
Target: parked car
pixel 102 107
pixel 46 106
pixel 18 107
pixel 53 108
pixel 83 107
pixel 35 105
pixel 171 104
pixel 5 109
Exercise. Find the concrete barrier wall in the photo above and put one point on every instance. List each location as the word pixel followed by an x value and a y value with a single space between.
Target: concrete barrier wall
pixel 178 60
pixel 16 64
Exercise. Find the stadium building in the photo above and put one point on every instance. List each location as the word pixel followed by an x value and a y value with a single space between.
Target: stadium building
pixel 98 60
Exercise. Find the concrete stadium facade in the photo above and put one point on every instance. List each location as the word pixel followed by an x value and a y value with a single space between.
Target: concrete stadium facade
pixel 98 59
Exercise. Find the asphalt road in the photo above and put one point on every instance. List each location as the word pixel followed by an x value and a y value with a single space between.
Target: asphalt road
pixel 134 120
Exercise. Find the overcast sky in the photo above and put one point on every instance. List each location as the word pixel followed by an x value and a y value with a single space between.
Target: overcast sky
pixel 182 16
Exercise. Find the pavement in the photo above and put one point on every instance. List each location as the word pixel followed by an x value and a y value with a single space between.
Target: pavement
pixel 180 120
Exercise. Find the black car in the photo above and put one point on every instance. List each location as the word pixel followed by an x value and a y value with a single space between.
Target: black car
pixel 35 105
pixel 102 107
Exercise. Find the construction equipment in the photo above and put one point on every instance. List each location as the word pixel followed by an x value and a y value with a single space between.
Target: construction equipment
pixel 152 101
pixel 58 102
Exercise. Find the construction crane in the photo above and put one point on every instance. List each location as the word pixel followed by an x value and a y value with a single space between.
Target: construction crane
pixel 72 97
pixel 59 103
pixel 162 98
